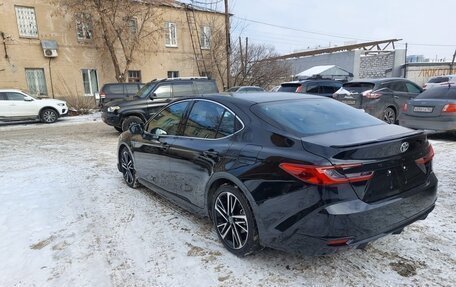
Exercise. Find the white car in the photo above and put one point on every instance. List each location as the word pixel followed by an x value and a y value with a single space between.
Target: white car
pixel 16 105
pixel 440 81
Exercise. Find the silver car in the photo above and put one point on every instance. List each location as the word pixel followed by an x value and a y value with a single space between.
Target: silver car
pixel 434 109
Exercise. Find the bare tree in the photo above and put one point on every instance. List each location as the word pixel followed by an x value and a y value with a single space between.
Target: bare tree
pixel 126 28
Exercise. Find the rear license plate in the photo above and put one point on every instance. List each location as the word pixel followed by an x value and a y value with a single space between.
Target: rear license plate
pixel 349 102
pixel 423 109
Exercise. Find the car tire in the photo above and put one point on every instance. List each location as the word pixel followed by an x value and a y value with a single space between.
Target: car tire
pixel 131 121
pixel 49 116
pixel 119 129
pixel 389 115
pixel 127 168
pixel 234 221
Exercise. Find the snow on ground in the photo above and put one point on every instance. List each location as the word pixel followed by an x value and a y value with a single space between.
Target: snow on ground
pixel 67 219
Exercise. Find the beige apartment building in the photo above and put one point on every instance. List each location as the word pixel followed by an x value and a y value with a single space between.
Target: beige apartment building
pixel 46 52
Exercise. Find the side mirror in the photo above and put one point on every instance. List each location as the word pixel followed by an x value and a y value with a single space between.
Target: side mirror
pixel 136 129
pixel 157 132
pixel 152 96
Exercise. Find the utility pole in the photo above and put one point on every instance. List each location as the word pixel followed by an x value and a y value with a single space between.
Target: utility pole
pixel 228 44
pixel 242 57
pixel 452 63
pixel 405 65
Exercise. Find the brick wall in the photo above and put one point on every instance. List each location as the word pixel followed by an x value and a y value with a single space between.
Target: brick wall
pixel 376 66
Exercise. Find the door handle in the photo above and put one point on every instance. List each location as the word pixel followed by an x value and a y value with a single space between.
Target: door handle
pixel 211 153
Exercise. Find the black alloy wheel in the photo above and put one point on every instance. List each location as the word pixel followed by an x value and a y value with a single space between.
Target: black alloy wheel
pixel 48 116
pixel 234 221
pixel 128 168
pixel 389 115
pixel 128 122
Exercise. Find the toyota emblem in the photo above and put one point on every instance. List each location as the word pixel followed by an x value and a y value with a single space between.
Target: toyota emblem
pixel 404 146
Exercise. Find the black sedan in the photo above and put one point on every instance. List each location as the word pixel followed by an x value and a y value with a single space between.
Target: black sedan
pixel 434 109
pixel 293 172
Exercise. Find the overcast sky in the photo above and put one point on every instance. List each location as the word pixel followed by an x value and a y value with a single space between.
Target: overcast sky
pixel 429 27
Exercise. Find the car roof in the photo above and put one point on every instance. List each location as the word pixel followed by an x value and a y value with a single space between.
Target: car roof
pixel 376 80
pixel 11 90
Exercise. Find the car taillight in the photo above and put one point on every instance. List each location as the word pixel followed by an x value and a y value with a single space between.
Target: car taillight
pixel 404 107
pixel 102 95
pixel 449 108
pixel 299 89
pixel 325 175
pixel 428 157
pixel 371 95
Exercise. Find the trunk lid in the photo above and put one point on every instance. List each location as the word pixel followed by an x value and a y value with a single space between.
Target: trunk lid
pixel 426 108
pixel 392 154
pixel 352 93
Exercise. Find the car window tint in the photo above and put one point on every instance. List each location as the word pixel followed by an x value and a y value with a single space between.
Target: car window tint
pixel 439 80
pixel 314 116
pixel 163 91
pixel 183 90
pixel 3 97
pixel 15 96
pixel 288 88
pixel 358 87
pixel 168 119
pixel 203 120
pixel 113 89
pixel 131 89
pixel 397 86
pixel 438 93
pixel 145 90
pixel 312 88
pixel 206 87
pixel 229 125
pixel 329 88
pixel 411 88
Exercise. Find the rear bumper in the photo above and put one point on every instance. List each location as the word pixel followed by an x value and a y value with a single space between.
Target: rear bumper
pixel 355 220
pixel 435 123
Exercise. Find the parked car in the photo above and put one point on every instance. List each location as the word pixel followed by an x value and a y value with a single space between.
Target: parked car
pixel 16 105
pixel 321 87
pixel 151 98
pixel 297 173
pixel 434 109
pixel 275 89
pixel 381 98
pixel 440 81
pixel 244 89
pixel 115 91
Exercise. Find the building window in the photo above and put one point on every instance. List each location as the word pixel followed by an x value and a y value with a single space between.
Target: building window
pixel 90 81
pixel 173 74
pixel 170 34
pixel 26 22
pixel 84 26
pixel 205 37
pixel 36 82
pixel 133 25
pixel 134 76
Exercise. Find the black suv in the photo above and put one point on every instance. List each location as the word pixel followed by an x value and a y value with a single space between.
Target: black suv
pixel 151 98
pixel 321 87
pixel 118 91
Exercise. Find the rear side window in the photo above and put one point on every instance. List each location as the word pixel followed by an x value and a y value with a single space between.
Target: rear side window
pixel 358 87
pixel 113 89
pixel 2 97
pixel 411 88
pixel 437 80
pixel 131 89
pixel 205 87
pixel 397 86
pixel 204 120
pixel 313 116
pixel 291 88
pixel 438 93
pixel 183 90
pixel 312 88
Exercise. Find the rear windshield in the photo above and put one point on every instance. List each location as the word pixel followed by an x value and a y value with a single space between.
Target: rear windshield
pixel 289 87
pixel 439 80
pixel 313 116
pixel 438 93
pixel 358 87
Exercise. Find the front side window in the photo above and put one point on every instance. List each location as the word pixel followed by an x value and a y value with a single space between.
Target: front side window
pixel 84 26
pixel 167 121
pixel 205 37
pixel 163 91
pixel 90 81
pixel 14 96
pixel 204 120
pixel 170 34
pixel 36 82
pixel 26 22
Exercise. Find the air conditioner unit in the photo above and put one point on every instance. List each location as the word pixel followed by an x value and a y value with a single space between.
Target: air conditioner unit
pixel 50 53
